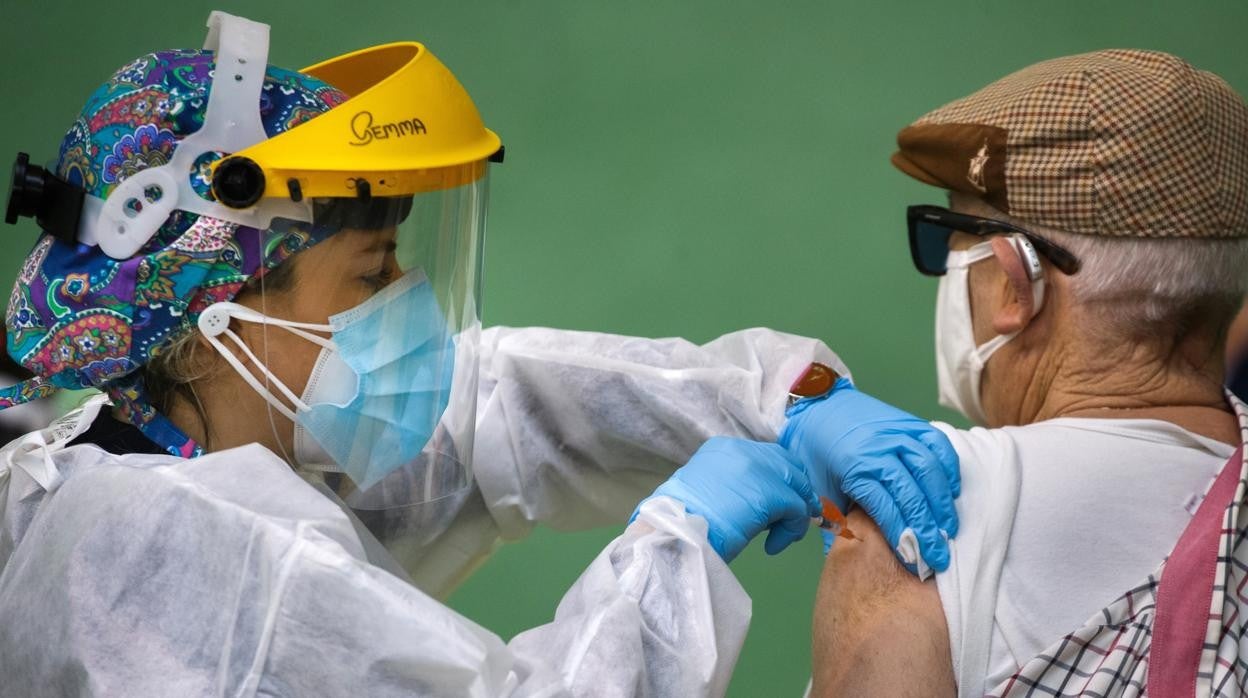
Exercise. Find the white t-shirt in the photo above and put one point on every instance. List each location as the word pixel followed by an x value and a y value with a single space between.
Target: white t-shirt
pixel 1057 520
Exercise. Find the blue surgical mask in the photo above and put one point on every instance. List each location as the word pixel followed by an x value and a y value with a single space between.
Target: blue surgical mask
pixel 379 386
pixel 403 383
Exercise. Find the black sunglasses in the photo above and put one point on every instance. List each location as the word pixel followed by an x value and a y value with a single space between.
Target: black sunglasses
pixel 932 226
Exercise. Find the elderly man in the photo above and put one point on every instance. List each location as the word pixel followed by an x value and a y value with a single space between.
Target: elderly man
pixel 1093 257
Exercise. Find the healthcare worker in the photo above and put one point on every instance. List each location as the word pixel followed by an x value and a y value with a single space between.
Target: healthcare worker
pixel 305 438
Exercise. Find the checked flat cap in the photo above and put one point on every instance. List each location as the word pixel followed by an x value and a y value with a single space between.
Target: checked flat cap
pixel 1119 142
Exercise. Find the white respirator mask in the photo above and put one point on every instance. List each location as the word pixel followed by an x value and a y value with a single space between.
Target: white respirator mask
pixel 959 360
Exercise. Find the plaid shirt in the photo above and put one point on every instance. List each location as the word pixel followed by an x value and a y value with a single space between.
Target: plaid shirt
pixel 1110 655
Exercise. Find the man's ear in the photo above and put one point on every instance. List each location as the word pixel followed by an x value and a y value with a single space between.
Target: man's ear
pixel 1022 301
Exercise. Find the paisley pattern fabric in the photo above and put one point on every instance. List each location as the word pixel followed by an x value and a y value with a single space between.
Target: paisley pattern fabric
pixel 80 319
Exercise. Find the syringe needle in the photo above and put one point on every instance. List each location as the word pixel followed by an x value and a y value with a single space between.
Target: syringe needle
pixel 833 520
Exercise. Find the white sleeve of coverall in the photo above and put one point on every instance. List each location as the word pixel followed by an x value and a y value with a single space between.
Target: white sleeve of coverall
pixel 656 614
pixel 575 428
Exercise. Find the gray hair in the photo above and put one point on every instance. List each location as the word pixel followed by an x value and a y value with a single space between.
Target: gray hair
pixel 1147 288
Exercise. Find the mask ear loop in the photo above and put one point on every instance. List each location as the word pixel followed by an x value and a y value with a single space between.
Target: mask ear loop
pixel 1035 273
pixel 262 388
pixel 965 258
pixel 214 321
pixel 1027 255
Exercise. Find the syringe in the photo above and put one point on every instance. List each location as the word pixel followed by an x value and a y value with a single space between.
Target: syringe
pixel 833 520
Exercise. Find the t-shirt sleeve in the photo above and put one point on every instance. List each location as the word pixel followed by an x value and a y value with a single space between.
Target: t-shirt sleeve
pixel 991 478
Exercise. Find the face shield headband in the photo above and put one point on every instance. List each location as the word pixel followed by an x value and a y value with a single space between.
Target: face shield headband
pixel 137 208
pixel 355 166
pixel 408 127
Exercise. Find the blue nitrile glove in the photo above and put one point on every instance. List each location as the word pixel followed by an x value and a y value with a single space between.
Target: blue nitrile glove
pixel 742 488
pixel 899 468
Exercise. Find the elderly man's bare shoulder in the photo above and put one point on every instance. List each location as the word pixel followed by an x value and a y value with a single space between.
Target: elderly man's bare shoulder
pixel 878 630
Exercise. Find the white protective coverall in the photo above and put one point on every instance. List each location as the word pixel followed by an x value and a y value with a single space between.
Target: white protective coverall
pixel 231 575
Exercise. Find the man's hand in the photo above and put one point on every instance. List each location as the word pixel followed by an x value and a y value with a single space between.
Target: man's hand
pixel 899 468
pixel 742 488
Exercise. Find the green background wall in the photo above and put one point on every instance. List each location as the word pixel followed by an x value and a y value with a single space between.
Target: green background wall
pixel 678 168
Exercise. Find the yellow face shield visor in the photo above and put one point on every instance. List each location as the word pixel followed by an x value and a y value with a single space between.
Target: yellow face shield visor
pixel 408 128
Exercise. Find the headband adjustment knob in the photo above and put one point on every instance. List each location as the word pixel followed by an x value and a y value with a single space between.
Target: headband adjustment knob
pixel 238 182
pixel 52 202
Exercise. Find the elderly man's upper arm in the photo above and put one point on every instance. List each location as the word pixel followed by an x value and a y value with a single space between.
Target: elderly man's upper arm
pixel 878 630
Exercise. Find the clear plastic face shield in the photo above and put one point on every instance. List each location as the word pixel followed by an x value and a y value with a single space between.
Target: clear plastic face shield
pixel 365 350
pixel 367 355
pixel 390 403
pixel 386 309
pixel 363 345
